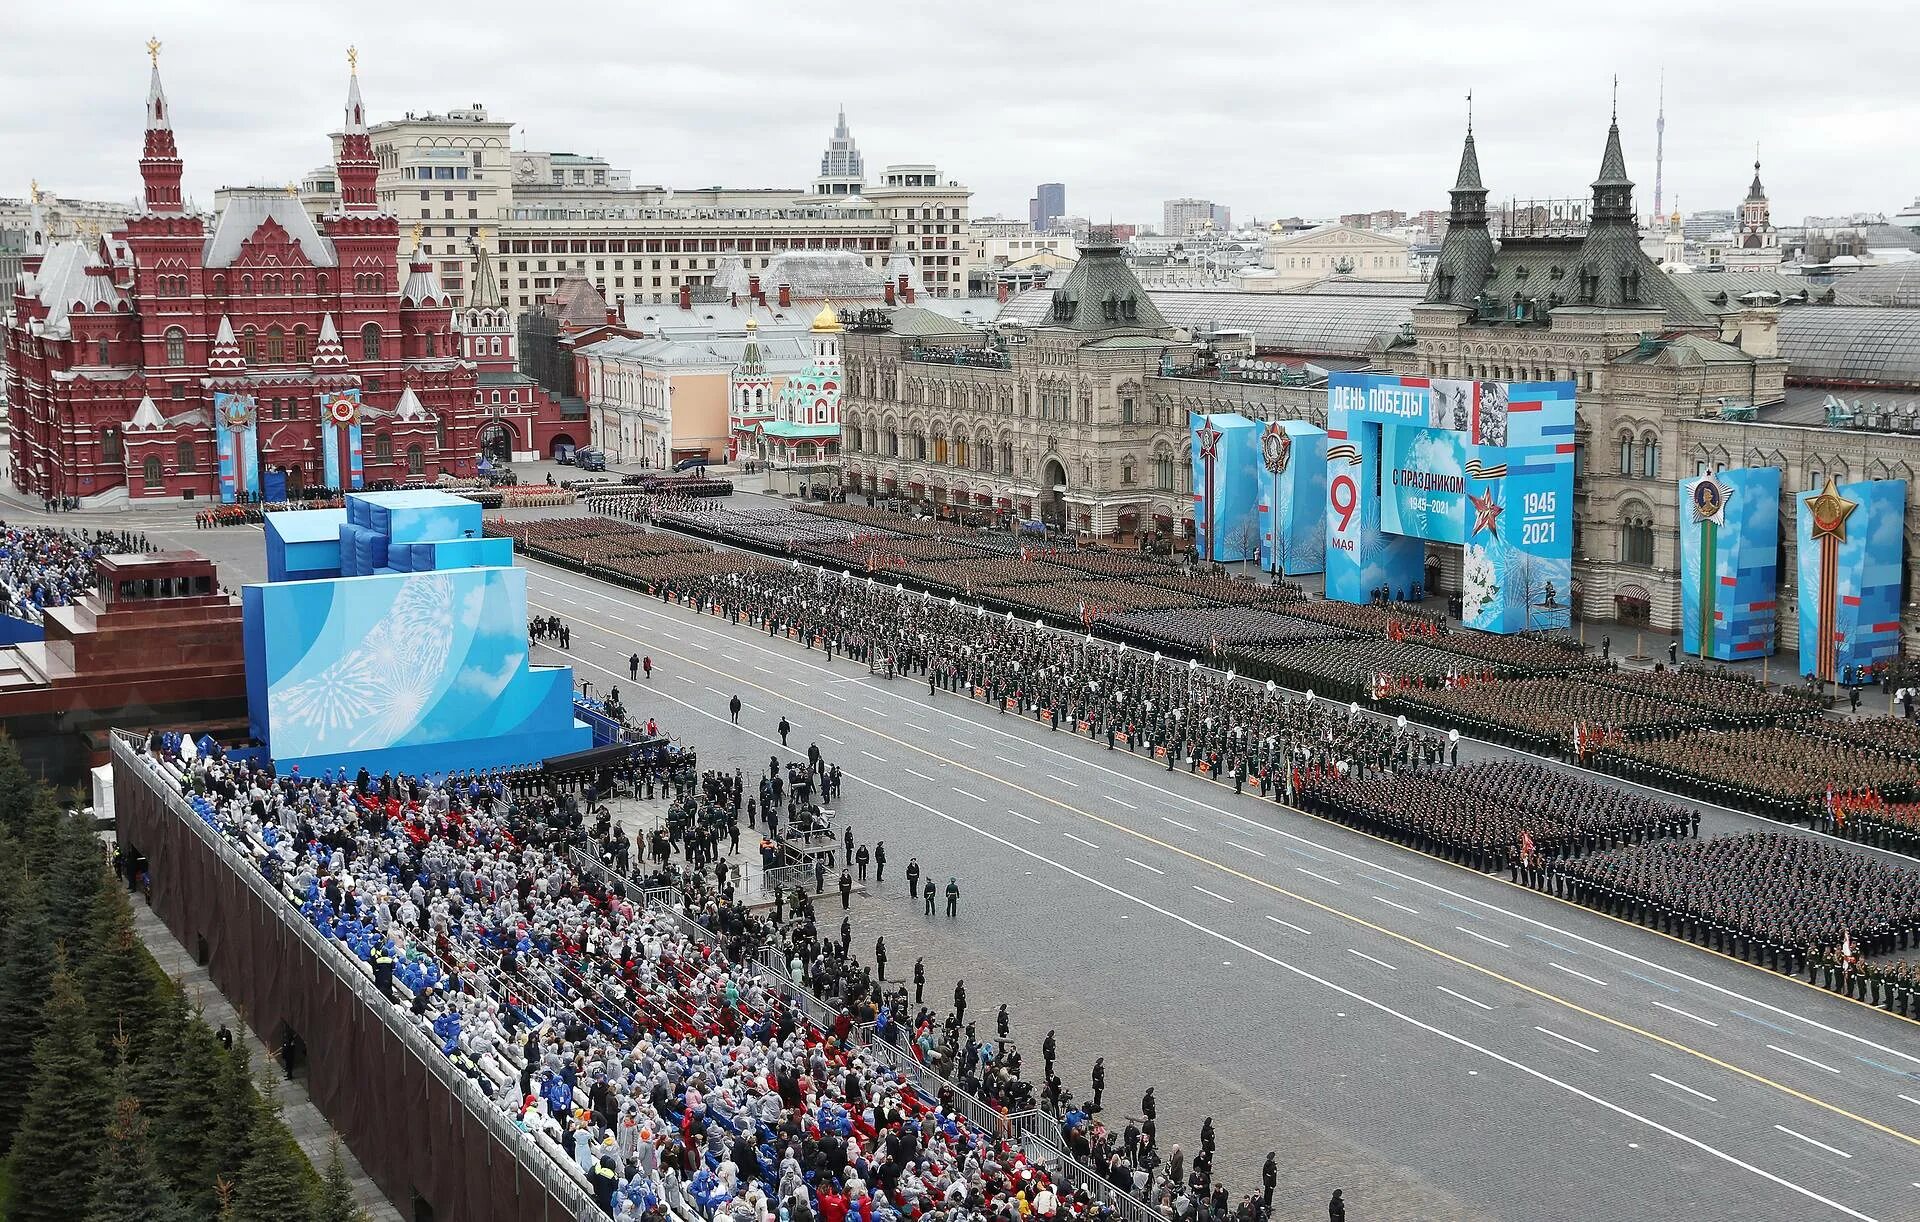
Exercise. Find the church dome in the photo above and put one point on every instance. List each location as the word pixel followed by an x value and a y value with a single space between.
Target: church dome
pixel 826 320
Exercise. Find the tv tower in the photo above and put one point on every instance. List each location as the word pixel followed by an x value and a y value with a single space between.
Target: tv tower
pixel 1660 153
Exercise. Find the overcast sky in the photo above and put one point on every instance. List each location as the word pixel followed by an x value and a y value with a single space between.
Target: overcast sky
pixel 1271 108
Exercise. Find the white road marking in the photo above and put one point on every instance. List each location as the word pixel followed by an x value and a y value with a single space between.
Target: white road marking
pixel 1683 1086
pixel 1063 780
pixel 1144 866
pixel 1582 975
pixel 965 794
pixel 1243 848
pixel 1483 937
pixel 684 678
pixel 1290 925
pixel 1402 907
pixel 910 772
pixel 1190 827
pixel 836 742
pixel 963 743
pixel 1370 959
pixel 870 755
pixel 1810 1141
pixel 1215 894
pixel 698 645
pixel 1566 1039
pixel 1003 759
pixel 1682 1013
pixel 1463 997
pixel 1016 814
pixel 1070 836
pixel 835 695
pixel 1796 1056
pixel 1118 802
pixel 1323 878
pixel 916 726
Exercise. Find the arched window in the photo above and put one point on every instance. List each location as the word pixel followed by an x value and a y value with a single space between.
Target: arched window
pixel 183 457
pixel 1626 453
pixel 440 432
pixel 250 344
pixel 220 284
pixel 150 471
pixel 370 342
pixel 246 283
pixel 433 344
pixel 1636 536
pixel 103 353
pixel 276 345
pixel 383 447
pixel 496 345
pixel 176 344
pixel 110 451
pixel 1650 456
pixel 320 282
pixel 299 284
pixel 416 460
pixel 300 350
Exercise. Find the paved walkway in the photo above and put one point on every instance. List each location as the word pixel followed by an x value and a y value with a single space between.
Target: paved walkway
pixel 310 1129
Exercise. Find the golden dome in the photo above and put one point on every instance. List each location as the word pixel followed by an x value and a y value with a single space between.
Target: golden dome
pixel 1275 228
pixel 826 319
pixel 753 324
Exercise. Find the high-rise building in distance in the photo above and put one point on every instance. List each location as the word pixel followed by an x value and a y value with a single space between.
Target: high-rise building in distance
pixel 1049 204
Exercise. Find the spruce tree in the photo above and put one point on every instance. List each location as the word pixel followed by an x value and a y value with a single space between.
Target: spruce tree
pixel 118 978
pixel 129 1186
pixel 238 1115
pixel 75 872
pixel 65 1116
pixel 157 1068
pixel 26 976
pixel 334 1201
pixel 268 1186
pixel 20 795
pixel 187 1116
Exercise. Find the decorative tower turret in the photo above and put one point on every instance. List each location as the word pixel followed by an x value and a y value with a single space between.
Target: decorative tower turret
pixel 357 167
pixel 160 166
pixel 1466 253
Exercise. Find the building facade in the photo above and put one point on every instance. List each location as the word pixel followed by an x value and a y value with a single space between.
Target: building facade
pixel 1048 205
pixel 1289 260
pixel 928 213
pixel 171 358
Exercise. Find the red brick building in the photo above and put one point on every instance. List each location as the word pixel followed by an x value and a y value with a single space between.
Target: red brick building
pixel 129 353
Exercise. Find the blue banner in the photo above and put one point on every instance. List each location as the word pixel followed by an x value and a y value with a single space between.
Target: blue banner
pixel 1851 549
pixel 1293 496
pixel 1226 511
pixel 1729 562
pixel 1488 465
pixel 237 445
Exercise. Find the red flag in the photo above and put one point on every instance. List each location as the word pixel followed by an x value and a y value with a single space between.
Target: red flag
pixel 1526 847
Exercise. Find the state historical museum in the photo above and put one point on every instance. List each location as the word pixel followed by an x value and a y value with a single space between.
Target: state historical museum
pixel 270 356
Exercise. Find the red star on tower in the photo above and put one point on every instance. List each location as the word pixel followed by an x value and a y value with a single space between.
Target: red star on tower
pixel 1486 514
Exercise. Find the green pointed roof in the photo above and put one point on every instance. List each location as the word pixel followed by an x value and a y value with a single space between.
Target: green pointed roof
pixel 1468 179
pixel 1613 163
pixel 1102 293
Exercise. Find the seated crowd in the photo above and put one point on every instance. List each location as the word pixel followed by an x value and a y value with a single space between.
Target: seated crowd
pixel 42 567
pixel 638 1042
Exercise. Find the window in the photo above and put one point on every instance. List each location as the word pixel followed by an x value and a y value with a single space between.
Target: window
pixel 416 460
pixel 370 342
pixel 102 353
pixel 220 285
pixel 300 349
pixel 1006 457
pixel 1650 456
pixel 110 451
pixel 150 471
pixel 276 345
pixel 250 344
pixel 939 451
pixel 1126 409
pixel 1636 537
pixel 176 342
pixel 1163 472
pixel 383 447
pixel 1626 454
pixel 1126 473
pixel 183 457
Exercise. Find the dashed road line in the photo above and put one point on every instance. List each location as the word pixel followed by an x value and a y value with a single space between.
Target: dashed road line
pixel 1796 1056
pixel 966 793
pixel 1463 997
pixel 1289 924
pixel 1810 1141
pixel 1683 1086
pixel 1402 907
pixel 1685 1014
pixel 1323 878
pixel 1215 894
pixel 1483 937
pixel 1560 967
pixel 1070 836
pixel 1144 866
pixel 1567 1039
pixel 1370 959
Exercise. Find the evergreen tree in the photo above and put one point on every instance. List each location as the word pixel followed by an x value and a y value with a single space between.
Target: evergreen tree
pixel 238 1114
pixel 268 1186
pixel 20 796
pixel 71 861
pixel 157 1064
pixel 26 976
pixel 187 1116
pixel 129 1187
pixel 334 1202
pixel 117 976
pixel 51 1164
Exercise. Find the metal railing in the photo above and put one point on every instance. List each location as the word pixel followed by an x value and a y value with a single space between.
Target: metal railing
pixel 561 1180
pixel 1070 1173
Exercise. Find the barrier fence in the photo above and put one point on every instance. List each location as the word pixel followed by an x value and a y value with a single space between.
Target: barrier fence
pixel 556 1179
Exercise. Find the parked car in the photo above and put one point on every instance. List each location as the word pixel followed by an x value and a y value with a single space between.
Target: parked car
pixel 590 460
pixel 688 464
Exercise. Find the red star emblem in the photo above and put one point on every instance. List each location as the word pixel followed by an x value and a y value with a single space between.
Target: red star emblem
pixel 1486 514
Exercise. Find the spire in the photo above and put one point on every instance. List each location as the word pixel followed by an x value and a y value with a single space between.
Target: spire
pixel 1467 181
pixel 226 356
pixel 1660 149
pixel 328 352
pixel 486 290
pixel 355 164
pixel 1466 253
pixel 1613 190
pixel 840 127
pixel 1756 194
pixel 160 166
pixel 423 286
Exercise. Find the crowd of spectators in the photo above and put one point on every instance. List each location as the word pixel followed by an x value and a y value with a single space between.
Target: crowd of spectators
pixel 41 566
